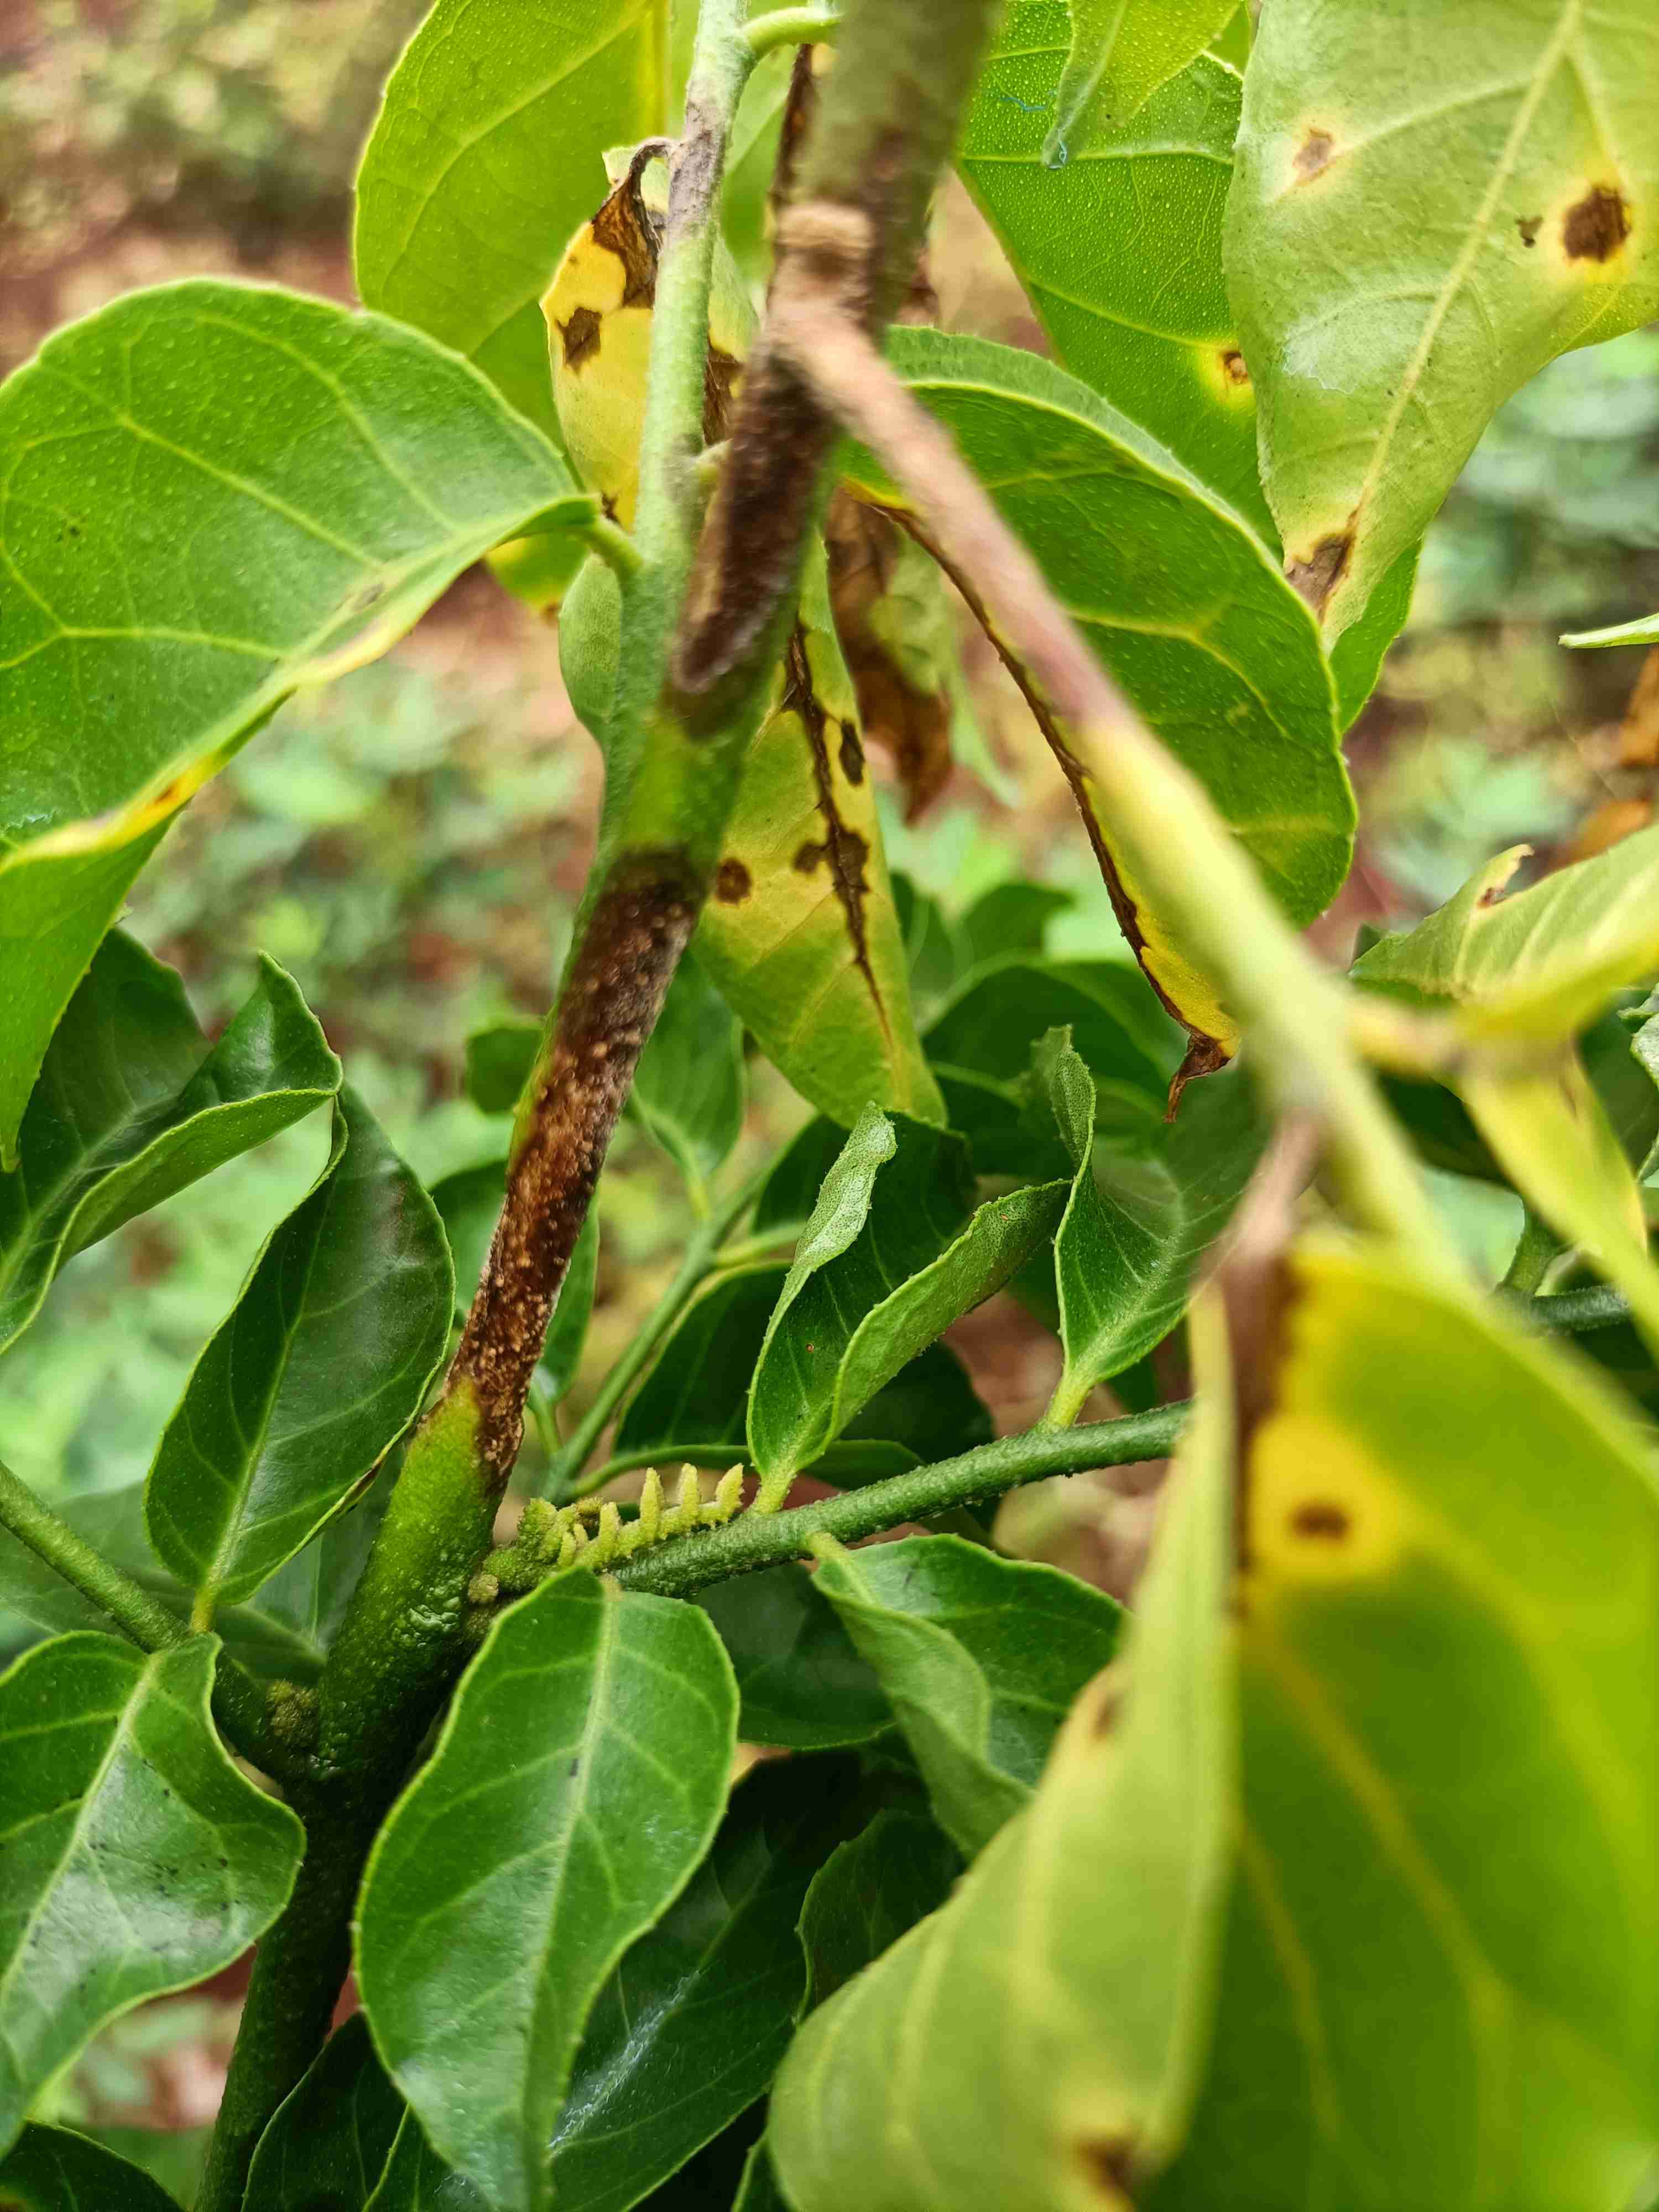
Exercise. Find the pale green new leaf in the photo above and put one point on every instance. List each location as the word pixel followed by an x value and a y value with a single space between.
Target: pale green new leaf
pixel 577 1783
pixel 134 1858
pixel 53 2170
pixel 1121 52
pixel 1540 963
pixel 210 495
pixel 133 1102
pixel 980 1658
pixel 1135 1231
pixel 316 1371
pixel 1182 603
pixel 890 1258
pixel 1435 1988
pixel 1056 2004
pixel 488 154
pixel 1643 631
pixel 1429 204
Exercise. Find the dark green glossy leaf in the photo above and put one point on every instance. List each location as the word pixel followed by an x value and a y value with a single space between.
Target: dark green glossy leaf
pixel 758 2190
pixel 499 1059
pixel 52 2170
pixel 1056 2002
pixel 328 2143
pixel 215 493
pixel 801 1683
pixel 576 1785
pixel 689 2029
pixel 791 1190
pixel 133 1102
pixel 134 1857
pixel 980 1658
pixel 1010 918
pixel 417 2180
pixel 1136 1230
pixel 933 944
pixel 698 1390
pixel 1007 1137
pixel 993 1022
pixel 1119 246
pixel 889 1260
pixel 469 1204
pixel 488 155
pixel 318 1368
pixel 1520 139
pixel 689 1089
pixel 875 1887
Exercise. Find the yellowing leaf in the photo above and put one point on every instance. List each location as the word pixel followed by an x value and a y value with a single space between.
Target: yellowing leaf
pixel 1430 203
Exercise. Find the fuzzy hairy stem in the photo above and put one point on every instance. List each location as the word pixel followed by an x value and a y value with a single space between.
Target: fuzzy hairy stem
pixel 765 1539
pixel 1295 1012
pixel 239 1706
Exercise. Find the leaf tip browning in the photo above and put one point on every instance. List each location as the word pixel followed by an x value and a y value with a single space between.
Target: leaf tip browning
pixel 1317 576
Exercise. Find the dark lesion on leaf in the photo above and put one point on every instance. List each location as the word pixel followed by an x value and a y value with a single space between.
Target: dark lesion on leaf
pixel 1234 368
pixel 732 882
pixel 579 336
pixel 1322 1521
pixel 1109 2163
pixel 1317 577
pixel 1594 228
pixel 844 850
pixel 1530 226
pixel 720 373
pixel 1313 156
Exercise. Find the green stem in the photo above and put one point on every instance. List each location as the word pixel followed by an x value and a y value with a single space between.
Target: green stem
pixel 790 27
pixel 238 1704
pixel 613 545
pixel 298 1972
pixel 763 1540
pixel 565 1479
pixel 1538 1246
pixel 1575 1312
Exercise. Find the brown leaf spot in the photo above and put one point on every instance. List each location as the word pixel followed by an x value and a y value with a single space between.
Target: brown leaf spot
pixel 1233 365
pixel 1109 2161
pixel 1108 1697
pixel 1321 1520
pixel 721 372
pixel 1318 576
pixel 733 883
pixel 1313 156
pixel 1594 228
pixel 579 334
pixel 1530 226
pixel 807 858
pixel 851 754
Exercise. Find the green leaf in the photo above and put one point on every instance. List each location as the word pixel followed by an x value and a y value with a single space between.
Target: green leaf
pixel 933 942
pixel 689 1089
pixel 758 2190
pixel 1645 631
pixel 1467 1900
pixel 214 494
pixel 285 1636
pixel 1011 917
pixel 576 1785
pixel 487 155
pixel 801 937
pixel 1121 52
pixel 317 1369
pixel 417 2180
pixel 133 1101
pixel 1058 2001
pixel 1181 602
pixel 1519 140
pixel 874 1889
pixel 802 1685
pixel 134 1858
pixel 499 1059
pixel 328 2143
pixel 889 1260
pixel 1119 247
pixel 992 1024
pixel 1135 1231
pixel 52 2170
pixel 691 2028
pixel 980 1657
pixel 469 1204
pixel 1542 963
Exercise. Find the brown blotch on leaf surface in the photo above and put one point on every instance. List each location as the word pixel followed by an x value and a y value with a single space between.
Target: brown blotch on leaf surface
pixel 1313 156
pixel 1321 1520
pixel 1318 576
pixel 851 754
pixel 1109 2163
pixel 1594 228
pixel 1233 367
pixel 1530 226
pixel 580 336
pixel 733 883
